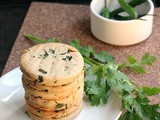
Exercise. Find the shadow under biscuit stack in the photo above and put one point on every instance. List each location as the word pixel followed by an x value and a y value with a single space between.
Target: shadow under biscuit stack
pixel 53 81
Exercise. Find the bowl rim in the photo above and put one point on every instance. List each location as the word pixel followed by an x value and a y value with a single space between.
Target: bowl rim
pixel 119 21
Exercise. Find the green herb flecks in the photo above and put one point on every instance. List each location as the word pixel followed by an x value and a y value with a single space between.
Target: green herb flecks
pixel 45 54
pixel 52 51
pixel 67 58
pixel 66 106
pixel 45 90
pixel 42 71
pixel 63 53
pixel 38 111
pixel 55 82
pixel 59 105
pixel 40 78
pixel 26 113
pixel 64 59
pixel 39 96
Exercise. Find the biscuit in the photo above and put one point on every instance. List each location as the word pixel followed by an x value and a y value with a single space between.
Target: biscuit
pixel 44 104
pixel 50 95
pixel 51 114
pixel 54 89
pixel 71 116
pixel 52 64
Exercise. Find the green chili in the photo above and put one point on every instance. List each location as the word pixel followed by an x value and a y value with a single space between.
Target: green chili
pixel 132 3
pixel 105 11
pixel 130 10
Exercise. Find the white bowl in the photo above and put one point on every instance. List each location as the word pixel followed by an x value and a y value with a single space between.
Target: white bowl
pixel 117 32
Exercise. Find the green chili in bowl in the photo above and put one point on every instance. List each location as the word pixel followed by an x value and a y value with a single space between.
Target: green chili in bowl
pixel 128 7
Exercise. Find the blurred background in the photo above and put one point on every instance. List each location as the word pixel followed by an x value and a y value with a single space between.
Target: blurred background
pixel 12 14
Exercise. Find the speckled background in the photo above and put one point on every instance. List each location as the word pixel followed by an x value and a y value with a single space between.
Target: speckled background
pixel 66 22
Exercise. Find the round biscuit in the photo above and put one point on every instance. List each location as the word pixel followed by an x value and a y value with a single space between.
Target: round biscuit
pixel 71 116
pixel 50 95
pixel 52 64
pixel 48 105
pixel 54 89
pixel 51 114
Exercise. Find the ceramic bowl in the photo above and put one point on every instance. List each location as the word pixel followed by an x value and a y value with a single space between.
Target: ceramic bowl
pixel 121 33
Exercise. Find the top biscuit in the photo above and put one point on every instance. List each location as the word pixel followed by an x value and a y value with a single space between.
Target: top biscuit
pixel 52 64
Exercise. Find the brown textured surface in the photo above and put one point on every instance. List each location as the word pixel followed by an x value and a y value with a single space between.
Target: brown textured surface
pixel 67 22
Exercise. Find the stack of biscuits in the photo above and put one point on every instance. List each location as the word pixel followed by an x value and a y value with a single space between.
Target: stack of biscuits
pixel 53 81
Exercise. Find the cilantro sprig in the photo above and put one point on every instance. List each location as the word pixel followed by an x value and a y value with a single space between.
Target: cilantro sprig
pixel 102 74
pixel 136 65
pixel 39 40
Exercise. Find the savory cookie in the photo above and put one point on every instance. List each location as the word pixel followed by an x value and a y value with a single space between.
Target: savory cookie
pixel 70 116
pixel 51 95
pixel 52 64
pixel 44 104
pixel 51 114
pixel 54 89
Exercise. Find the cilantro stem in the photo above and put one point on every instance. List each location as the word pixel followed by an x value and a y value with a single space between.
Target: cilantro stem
pixel 39 40
pixel 34 38
pixel 88 61
pixel 94 62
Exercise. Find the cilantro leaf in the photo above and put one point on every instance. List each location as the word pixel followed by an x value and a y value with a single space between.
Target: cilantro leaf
pixel 119 81
pixel 146 110
pixel 98 95
pixel 85 51
pixel 98 71
pixel 103 57
pixel 129 116
pixel 138 66
pixel 97 89
pixel 146 59
pixel 151 91
pixel 131 59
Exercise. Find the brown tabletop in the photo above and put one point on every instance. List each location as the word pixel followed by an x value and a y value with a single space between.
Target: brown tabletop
pixel 66 22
